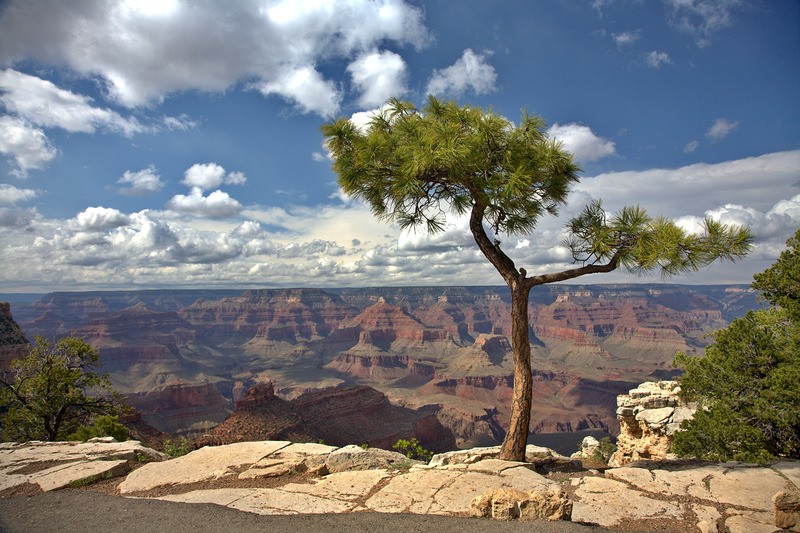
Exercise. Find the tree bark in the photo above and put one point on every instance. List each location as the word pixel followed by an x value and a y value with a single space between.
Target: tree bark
pixel 520 285
pixel 513 448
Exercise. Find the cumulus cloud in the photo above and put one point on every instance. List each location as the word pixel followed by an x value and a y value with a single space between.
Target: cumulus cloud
pixel 27 145
pixel 217 204
pixel 100 219
pixel 278 44
pixel 144 181
pixel 657 59
pixel 581 141
pixel 43 104
pixel 342 244
pixel 721 128
pixel 206 176
pixel 11 196
pixel 306 88
pixel 378 76
pixel 762 181
pixel 471 72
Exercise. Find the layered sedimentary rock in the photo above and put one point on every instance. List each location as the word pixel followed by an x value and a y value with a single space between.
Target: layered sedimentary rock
pixel 13 343
pixel 337 416
pixel 260 415
pixel 444 348
pixel 649 416
pixel 365 416
pixel 184 408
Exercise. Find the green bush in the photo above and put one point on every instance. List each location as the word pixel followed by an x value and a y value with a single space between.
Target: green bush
pixel 413 450
pixel 103 426
pixel 746 385
pixel 177 448
pixel 606 450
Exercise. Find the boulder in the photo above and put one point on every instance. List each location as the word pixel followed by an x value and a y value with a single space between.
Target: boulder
pixel 648 417
pixel 538 456
pixel 787 510
pixel 511 504
pixel 590 448
pixel 354 457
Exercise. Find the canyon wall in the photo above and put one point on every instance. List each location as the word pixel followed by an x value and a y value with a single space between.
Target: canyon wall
pixel 184 357
pixel 13 343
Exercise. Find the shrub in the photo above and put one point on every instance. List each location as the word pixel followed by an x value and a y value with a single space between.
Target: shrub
pixel 103 426
pixel 177 448
pixel 413 449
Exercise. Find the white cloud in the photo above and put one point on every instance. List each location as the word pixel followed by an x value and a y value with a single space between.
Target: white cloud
pixel 100 219
pixel 581 141
pixel 43 104
pixel 307 89
pixel 142 182
pixel 762 181
pixel 470 72
pixel 690 147
pixel 625 38
pixel 343 245
pixel 656 59
pixel 217 204
pixel 721 128
pixel 27 145
pixel 276 44
pixel 206 176
pixel 378 76
pixel 702 18
pixel 11 196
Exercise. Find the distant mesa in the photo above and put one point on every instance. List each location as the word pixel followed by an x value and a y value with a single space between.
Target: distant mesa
pixel 192 361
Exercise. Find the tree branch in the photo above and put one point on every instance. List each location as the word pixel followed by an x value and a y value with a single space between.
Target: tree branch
pixel 573 273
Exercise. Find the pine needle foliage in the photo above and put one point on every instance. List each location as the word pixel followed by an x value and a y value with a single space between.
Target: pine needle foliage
pixel 748 382
pixel 415 166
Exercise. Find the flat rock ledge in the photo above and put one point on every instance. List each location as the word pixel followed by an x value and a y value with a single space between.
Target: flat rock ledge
pixel 49 466
pixel 279 477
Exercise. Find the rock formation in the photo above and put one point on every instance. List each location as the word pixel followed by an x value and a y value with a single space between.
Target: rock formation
pixel 13 343
pixel 648 416
pixel 439 348
pixel 337 416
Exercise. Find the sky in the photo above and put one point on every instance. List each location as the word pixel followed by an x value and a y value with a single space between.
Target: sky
pixel 172 144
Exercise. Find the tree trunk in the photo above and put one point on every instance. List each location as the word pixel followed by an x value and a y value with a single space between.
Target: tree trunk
pixel 513 448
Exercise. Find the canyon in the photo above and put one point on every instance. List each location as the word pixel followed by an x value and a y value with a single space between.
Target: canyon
pixel 427 361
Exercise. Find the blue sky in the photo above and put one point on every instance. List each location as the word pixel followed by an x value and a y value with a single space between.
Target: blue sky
pixel 170 143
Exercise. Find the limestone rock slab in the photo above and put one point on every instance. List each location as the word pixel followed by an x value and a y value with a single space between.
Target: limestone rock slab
pixel 789 469
pixel 346 486
pixel 607 502
pixel 79 472
pixel 210 462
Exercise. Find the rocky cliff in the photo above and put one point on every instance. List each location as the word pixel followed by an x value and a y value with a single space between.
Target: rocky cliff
pixel 337 416
pixel 13 343
pixel 443 348
pixel 649 416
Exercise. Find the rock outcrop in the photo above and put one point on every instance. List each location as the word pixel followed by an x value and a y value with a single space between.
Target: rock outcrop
pixel 281 478
pixel 13 343
pixel 648 416
pixel 336 415
pixel 54 465
pixel 442 347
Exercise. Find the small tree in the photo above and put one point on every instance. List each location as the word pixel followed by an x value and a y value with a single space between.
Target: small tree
pixel 748 382
pixel 412 166
pixel 54 390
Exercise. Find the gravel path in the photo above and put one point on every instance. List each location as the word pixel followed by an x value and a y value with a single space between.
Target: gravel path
pixel 78 511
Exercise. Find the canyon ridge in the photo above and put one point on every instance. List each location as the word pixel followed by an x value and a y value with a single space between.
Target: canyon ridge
pixel 419 362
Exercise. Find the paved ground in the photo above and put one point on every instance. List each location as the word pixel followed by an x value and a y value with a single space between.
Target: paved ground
pixel 78 511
